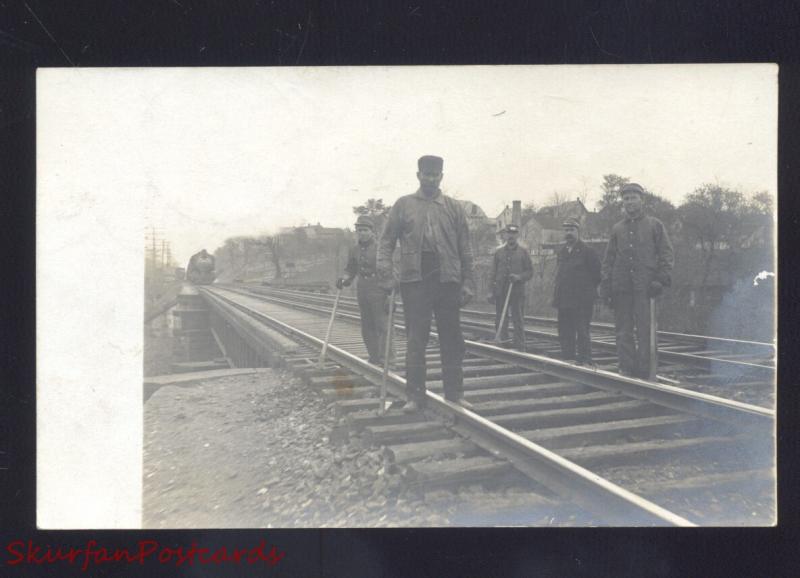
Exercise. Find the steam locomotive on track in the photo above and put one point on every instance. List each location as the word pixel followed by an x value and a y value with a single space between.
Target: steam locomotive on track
pixel 201 268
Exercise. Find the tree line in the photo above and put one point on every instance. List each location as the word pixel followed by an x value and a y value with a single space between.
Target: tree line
pixel 722 238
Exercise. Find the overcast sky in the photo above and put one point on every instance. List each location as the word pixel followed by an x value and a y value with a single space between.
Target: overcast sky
pixel 224 152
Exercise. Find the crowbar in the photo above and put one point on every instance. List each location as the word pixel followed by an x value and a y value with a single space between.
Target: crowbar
pixel 386 351
pixel 653 348
pixel 321 362
pixel 503 316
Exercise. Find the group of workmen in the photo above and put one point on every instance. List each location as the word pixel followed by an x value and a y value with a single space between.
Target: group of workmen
pixel 435 278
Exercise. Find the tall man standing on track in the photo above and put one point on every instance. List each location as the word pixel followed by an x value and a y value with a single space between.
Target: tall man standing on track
pixel 637 266
pixel 577 277
pixel 362 262
pixel 435 278
pixel 511 266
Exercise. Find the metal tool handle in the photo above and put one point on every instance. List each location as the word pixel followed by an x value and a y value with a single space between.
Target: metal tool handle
pixel 503 315
pixel 653 346
pixel 321 362
pixel 386 350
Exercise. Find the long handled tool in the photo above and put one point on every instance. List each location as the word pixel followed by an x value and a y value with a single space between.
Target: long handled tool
pixel 653 347
pixel 503 316
pixel 386 351
pixel 321 362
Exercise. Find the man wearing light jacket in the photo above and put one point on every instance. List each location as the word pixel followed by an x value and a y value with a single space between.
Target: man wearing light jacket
pixel 435 278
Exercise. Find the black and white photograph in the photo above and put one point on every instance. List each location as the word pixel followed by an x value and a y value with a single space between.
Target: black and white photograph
pixel 408 296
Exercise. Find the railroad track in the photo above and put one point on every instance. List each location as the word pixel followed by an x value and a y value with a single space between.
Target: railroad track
pixel 740 370
pixel 631 452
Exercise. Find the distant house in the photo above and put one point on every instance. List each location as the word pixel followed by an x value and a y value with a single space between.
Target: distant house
pixel 504 219
pixel 315 232
pixel 475 215
pixel 542 233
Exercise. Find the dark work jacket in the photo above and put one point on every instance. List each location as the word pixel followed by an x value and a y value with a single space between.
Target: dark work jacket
pixel 507 261
pixel 407 222
pixel 638 253
pixel 577 277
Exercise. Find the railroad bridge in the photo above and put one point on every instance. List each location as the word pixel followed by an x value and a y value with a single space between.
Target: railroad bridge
pixel 631 452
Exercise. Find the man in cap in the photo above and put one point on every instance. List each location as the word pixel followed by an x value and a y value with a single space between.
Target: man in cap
pixel 511 267
pixel 435 277
pixel 637 267
pixel 577 278
pixel 372 297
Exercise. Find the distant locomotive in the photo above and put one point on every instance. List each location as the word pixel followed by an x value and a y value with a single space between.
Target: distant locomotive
pixel 201 268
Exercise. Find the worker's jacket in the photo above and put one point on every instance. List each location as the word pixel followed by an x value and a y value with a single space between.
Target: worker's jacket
pixel 577 277
pixel 362 261
pixel 444 219
pixel 509 261
pixel 638 252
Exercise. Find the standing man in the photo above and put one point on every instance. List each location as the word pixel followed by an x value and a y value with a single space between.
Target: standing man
pixel 577 278
pixel 435 278
pixel 362 262
pixel 512 267
pixel 636 268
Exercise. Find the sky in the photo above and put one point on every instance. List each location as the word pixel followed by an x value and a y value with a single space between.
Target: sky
pixel 243 151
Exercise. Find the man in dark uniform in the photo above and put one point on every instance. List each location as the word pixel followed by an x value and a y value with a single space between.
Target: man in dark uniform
pixel 512 267
pixel 201 268
pixel 577 278
pixel 637 267
pixel 361 262
pixel 435 278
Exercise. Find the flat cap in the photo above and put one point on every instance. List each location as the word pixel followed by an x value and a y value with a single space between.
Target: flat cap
pixel 512 228
pixel 570 222
pixel 632 188
pixel 365 221
pixel 430 163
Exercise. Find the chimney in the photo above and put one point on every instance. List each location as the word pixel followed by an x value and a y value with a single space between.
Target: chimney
pixel 516 213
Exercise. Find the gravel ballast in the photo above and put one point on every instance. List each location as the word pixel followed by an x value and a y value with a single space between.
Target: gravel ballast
pixel 256 451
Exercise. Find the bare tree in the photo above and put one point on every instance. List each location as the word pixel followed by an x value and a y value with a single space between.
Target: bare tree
pixel 715 218
pixel 376 209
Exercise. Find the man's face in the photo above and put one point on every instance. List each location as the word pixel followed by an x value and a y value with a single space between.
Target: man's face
pixel 511 237
pixel 570 234
pixel 429 180
pixel 364 234
pixel 632 203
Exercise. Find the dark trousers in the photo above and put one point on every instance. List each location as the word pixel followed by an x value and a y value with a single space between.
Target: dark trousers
pixel 573 330
pixel 421 299
pixel 516 312
pixel 374 318
pixel 632 320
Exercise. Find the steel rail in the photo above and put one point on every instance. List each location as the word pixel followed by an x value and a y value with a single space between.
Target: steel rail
pixel 717 408
pixel 673 356
pixel 562 476
pixel 596 325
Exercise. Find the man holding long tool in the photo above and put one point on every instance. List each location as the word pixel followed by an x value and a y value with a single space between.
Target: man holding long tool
pixel 637 266
pixel 372 297
pixel 435 278
pixel 511 269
